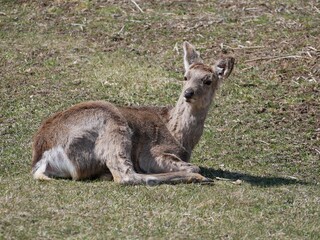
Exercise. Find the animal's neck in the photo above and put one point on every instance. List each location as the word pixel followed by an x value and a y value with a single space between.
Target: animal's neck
pixel 186 124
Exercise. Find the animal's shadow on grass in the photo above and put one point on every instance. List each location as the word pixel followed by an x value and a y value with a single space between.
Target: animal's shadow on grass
pixel 253 180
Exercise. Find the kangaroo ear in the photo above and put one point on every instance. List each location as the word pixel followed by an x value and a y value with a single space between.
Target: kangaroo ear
pixel 190 55
pixel 224 67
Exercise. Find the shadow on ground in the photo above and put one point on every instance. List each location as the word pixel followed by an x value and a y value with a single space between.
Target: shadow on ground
pixel 254 180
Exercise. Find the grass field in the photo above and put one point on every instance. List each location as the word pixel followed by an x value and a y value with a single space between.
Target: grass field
pixel 263 129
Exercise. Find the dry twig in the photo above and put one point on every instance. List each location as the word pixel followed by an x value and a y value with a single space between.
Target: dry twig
pixel 137 6
pixel 241 47
pixel 121 30
pixel 274 58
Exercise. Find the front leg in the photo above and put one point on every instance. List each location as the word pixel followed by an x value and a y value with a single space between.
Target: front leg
pixel 164 162
pixel 168 162
pixel 114 148
pixel 169 168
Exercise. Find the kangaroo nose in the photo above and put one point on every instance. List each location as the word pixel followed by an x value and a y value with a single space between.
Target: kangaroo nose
pixel 188 93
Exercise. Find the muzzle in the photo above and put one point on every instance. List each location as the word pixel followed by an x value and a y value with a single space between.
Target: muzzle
pixel 188 93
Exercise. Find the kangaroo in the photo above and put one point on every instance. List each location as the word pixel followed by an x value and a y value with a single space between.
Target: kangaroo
pixel 132 145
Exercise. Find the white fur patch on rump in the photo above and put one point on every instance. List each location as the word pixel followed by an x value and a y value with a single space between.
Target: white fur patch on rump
pixel 55 163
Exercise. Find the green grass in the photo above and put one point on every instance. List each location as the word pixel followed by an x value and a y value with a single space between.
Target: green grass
pixel 263 128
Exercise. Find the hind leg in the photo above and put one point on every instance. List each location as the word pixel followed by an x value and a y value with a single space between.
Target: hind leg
pixel 114 147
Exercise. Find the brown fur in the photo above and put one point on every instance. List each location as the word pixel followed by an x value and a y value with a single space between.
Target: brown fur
pixel 136 145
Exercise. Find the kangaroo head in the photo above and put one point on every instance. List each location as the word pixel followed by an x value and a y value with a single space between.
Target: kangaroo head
pixel 201 80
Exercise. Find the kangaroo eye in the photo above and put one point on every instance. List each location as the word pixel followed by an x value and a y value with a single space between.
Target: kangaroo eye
pixel 185 78
pixel 207 81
